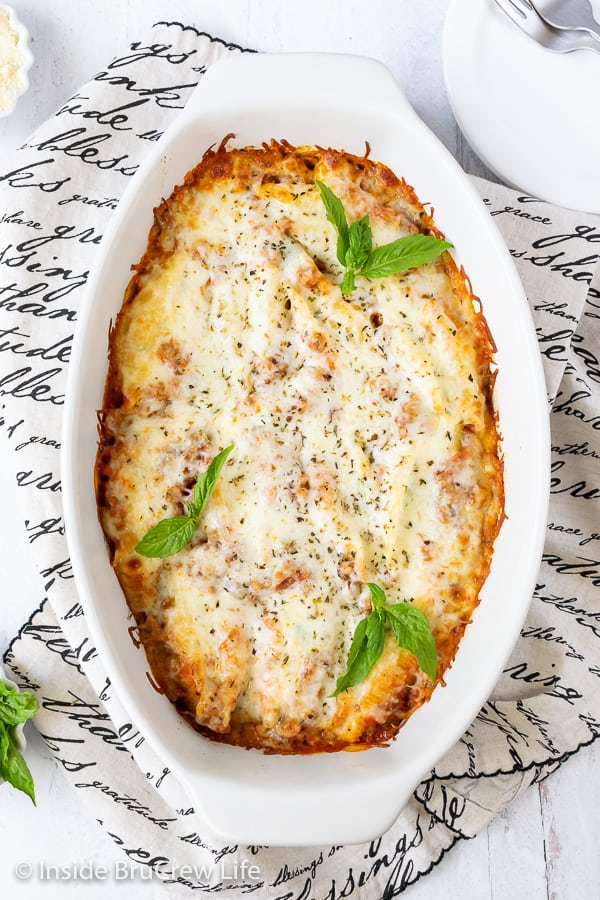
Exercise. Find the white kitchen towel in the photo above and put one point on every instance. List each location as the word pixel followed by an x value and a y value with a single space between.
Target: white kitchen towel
pixel 56 197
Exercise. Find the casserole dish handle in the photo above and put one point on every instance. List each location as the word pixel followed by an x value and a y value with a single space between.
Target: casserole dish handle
pixel 339 80
pixel 291 811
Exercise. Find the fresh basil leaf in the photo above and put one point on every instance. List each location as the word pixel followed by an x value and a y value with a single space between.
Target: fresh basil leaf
pixel 378 598
pixel 14 769
pixel 375 637
pixel 412 631
pixel 365 650
pixel 170 535
pixel 167 537
pixel 16 706
pixel 347 284
pixel 360 243
pixel 357 648
pixel 4 740
pixel 407 252
pixel 206 482
pixel 355 242
pixel 337 216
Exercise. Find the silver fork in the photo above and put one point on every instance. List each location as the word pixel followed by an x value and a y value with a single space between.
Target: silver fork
pixel 525 16
pixel 573 15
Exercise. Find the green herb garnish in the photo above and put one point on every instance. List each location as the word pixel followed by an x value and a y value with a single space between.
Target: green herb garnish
pixel 170 535
pixel 410 628
pixel 15 708
pixel 355 246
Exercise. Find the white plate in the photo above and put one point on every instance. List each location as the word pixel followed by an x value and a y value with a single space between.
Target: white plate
pixel 246 796
pixel 530 114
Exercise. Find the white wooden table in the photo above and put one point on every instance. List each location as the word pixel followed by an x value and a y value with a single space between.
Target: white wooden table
pixel 542 848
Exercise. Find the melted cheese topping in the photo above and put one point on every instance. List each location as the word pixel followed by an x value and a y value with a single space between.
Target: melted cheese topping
pixel 365 449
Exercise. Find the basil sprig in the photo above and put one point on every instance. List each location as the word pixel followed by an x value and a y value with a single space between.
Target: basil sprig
pixel 355 246
pixel 15 707
pixel 411 630
pixel 170 535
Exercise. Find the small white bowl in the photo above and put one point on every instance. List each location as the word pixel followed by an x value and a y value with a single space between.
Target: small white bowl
pixel 26 58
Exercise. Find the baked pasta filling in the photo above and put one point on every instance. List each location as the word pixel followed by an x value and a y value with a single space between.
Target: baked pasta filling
pixel 365 449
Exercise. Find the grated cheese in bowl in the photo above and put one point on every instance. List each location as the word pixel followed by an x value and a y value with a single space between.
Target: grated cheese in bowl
pixel 15 60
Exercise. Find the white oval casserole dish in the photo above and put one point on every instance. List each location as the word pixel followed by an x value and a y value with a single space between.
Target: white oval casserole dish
pixel 247 796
